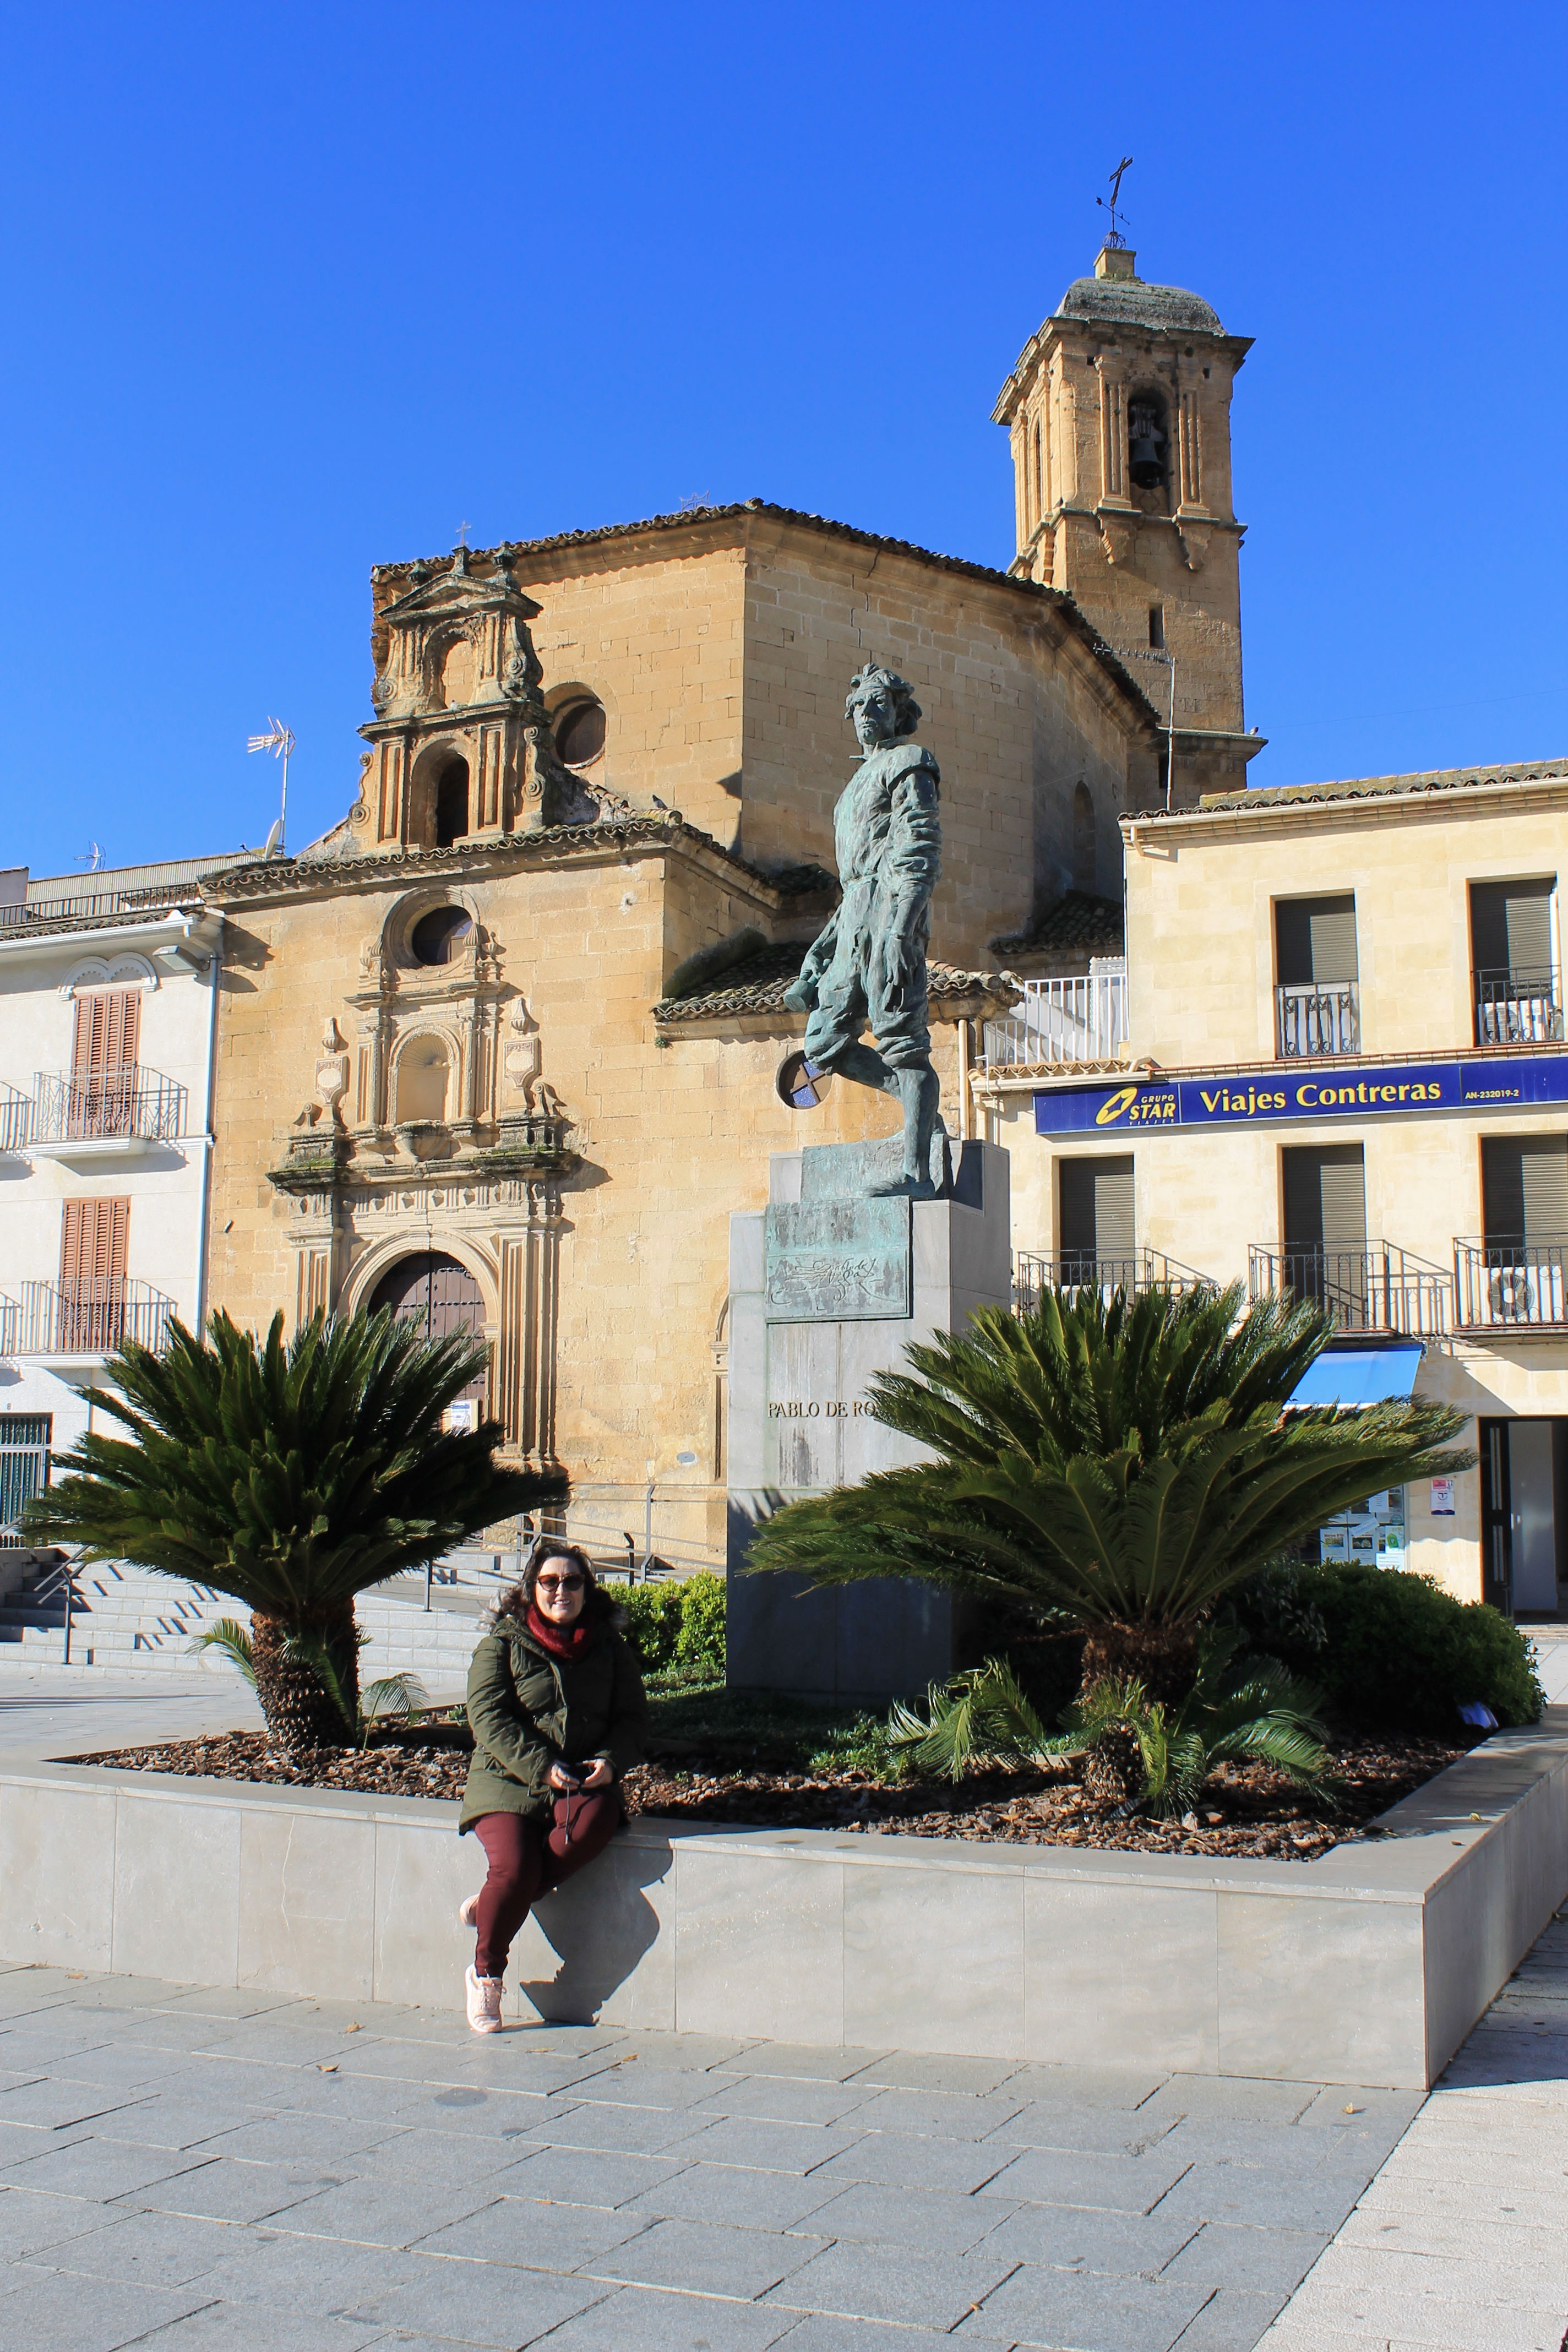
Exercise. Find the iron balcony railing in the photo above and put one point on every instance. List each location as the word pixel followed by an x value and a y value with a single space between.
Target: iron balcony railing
pixel 1372 1286
pixel 1507 1282
pixel 97 1105
pixel 44 913
pixel 90 1318
pixel 10 1333
pixel 1321 1017
pixel 1518 1007
pixel 15 1116
pixel 1035 1271
pixel 1063 1021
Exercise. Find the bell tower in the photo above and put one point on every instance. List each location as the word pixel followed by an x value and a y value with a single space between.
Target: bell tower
pixel 1119 414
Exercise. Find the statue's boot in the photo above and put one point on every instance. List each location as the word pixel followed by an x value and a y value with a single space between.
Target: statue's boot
pixel 920 1094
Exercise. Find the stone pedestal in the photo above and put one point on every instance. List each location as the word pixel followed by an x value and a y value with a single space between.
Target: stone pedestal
pixel 828 1288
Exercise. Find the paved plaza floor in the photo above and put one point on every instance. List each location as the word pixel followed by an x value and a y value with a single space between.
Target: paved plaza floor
pixel 190 2170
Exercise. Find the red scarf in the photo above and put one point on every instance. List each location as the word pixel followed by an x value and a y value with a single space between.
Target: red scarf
pixel 560 1641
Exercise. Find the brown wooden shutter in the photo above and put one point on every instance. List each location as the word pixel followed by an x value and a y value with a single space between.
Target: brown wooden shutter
pixel 94 1236
pixel 107 1031
pixel 1315 941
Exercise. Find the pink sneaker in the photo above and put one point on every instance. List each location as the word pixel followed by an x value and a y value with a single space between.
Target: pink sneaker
pixel 467 1911
pixel 484 2002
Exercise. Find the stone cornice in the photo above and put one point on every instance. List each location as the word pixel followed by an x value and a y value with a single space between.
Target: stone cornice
pixel 553 845
pixel 1325 808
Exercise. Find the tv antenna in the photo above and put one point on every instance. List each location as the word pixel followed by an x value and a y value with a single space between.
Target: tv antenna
pixel 1113 234
pixel 279 742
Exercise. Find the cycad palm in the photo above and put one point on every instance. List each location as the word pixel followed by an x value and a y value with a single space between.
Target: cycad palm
pixel 290 1476
pixel 1117 1466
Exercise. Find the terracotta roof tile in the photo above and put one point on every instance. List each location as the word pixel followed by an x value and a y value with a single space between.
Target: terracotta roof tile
pixel 758 985
pixel 1077 924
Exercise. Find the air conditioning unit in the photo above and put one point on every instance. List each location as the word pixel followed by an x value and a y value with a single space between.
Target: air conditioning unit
pixel 1524 1293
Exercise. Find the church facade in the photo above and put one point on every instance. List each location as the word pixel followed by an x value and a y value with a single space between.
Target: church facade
pixel 510 1041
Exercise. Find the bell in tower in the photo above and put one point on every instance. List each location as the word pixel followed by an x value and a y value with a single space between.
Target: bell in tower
pixel 1119 414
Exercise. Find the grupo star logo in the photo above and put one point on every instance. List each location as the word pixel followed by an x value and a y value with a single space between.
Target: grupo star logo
pixel 1109 1112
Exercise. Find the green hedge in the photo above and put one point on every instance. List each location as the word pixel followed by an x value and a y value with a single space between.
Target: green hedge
pixel 676 1626
pixel 1392 1650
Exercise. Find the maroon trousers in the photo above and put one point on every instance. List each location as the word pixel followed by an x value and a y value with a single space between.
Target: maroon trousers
pixel 526 1861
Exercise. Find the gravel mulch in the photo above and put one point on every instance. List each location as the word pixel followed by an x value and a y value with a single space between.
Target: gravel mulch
pixel 1246 1812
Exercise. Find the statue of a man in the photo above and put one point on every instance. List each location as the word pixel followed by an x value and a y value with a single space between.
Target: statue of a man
pixel 867 967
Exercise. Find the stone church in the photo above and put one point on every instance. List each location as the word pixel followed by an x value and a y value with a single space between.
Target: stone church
pixel 509 1041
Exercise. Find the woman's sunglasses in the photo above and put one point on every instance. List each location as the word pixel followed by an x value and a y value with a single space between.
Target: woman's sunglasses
pixel 560 1583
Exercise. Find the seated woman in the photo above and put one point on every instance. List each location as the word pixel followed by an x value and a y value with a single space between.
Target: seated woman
pixel 558 1713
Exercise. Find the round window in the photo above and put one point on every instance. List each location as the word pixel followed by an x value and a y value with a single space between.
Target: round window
pixel 801 1085
pixel 440 936
pixel 579 732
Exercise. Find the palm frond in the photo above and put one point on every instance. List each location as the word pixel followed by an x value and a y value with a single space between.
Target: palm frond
pixel 227 1635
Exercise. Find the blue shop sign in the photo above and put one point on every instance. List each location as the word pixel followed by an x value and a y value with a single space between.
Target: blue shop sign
pixel 1324 1091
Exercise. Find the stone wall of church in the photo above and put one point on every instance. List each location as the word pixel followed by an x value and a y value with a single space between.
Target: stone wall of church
pixel 1016 711
pixel 655 630
pixel 605 1286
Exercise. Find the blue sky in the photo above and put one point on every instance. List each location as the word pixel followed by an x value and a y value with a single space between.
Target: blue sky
pixel 292 291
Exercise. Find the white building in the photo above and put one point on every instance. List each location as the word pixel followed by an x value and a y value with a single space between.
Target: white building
pixel 108 1005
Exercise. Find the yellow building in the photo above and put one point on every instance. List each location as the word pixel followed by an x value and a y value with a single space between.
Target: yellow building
pixel 1334 1062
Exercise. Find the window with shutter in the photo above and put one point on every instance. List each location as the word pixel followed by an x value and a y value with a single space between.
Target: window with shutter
pixel 103 1061
pixel 1524 1188
pixel 1325 1196
pixel 94 1235
pixel 1095 1202
pixel 1315 941
pixel 1511 926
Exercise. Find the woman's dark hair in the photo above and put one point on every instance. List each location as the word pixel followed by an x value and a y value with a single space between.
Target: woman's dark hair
pixel 519 1599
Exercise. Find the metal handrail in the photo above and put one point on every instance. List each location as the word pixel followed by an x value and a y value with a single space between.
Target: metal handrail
pixel 90 1318
pixel 1321 1016
pixel 1368 1287
pixel 1035 1271
pixel 1519 1004
pixel 129 1100
pixel 15 1118
pixel 43 912
pixel 1080 1020
pixel 1510 1282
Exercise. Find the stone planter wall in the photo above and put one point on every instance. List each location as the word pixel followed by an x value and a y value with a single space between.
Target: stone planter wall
pixel 1366 1967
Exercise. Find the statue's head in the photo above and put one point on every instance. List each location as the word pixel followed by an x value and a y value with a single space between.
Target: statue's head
pixel 882 706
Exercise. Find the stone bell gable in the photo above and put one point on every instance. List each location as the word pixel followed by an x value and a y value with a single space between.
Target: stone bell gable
pixel 461 747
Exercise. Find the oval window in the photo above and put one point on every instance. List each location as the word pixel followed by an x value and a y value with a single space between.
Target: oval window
pixel 579 732
pixel 441 935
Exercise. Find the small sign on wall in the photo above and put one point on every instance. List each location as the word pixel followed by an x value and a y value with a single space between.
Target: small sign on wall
pixel 1441 1498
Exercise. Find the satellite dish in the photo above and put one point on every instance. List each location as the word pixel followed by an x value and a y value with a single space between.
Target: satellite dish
pixel 273 839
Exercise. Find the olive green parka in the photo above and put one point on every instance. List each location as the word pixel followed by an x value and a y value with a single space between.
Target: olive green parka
pixel 528 1711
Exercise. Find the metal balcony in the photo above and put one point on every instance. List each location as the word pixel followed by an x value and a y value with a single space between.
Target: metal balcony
pixel 1320 1017
pixel 1063 1021
pixel 1506 1283
pixel 76 1322
pixel 1372 1286
pixel 1075 1270
pixel 121 1109
pixel 1518 1007
pixel 16 1116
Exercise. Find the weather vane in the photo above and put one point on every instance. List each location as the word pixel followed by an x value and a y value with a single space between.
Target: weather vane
pixel 1114 235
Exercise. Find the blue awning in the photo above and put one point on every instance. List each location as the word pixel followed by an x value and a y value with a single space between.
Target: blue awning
pixel 1359 1376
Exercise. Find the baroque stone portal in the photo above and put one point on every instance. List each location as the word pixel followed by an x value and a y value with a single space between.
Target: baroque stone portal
pixel 866 968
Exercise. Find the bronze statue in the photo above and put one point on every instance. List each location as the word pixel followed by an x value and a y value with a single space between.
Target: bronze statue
pixel 867 968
